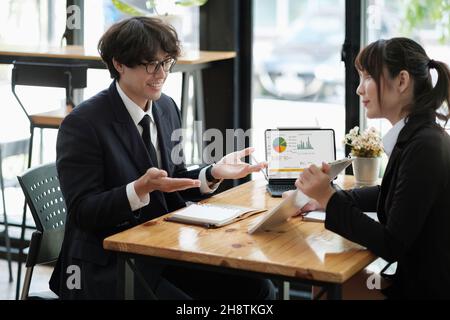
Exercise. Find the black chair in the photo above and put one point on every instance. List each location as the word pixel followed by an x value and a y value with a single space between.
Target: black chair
pixel 9 148
pixel 40 186
pixel 56 75
pixel 67 76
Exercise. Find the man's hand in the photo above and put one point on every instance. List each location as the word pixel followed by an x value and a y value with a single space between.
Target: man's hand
pixel 155 179
pixel 310 206
pixel 315 183
pixel 231 166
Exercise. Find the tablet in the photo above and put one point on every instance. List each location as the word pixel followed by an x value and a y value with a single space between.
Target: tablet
pixel 289 206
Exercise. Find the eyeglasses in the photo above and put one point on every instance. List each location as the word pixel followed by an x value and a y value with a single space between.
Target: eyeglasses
pixel 152 67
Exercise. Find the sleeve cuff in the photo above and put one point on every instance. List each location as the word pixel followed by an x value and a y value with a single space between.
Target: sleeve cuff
pixel 206 186
pixel 135 202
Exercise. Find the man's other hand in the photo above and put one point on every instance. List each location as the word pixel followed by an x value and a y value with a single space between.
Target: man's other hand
pixel 156 179
pixel 232 167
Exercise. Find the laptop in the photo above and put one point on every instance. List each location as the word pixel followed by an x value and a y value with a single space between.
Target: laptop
pixel 290 151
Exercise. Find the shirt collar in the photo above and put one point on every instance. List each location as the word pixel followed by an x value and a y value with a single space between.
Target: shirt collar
pixel 390 138
pixel 134 110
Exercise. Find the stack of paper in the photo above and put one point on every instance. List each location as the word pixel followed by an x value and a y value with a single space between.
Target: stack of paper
pixel 319 216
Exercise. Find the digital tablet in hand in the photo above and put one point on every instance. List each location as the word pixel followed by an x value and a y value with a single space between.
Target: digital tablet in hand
pixel 289 206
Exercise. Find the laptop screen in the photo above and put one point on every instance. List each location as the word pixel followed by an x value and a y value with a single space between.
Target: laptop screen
pixel 290 151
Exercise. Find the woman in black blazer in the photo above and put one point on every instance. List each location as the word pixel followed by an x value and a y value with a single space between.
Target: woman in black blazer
pixel 413 201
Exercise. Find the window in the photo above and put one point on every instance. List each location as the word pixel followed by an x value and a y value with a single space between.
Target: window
pixel 387 19
pixel 29 23
pixel 298 78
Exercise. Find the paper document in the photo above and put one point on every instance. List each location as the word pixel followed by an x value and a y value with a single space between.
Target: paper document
pixel 319 216
pixel 212 215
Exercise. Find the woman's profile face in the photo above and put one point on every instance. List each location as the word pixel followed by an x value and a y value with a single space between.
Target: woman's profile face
pixel 388 106
pixel 368 92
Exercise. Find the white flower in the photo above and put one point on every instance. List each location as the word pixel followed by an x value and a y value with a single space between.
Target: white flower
pixel 364 144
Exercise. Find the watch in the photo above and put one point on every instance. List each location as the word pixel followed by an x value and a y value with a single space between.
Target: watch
pixel 209 175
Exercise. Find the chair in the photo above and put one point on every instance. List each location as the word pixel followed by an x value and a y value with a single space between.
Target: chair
pixel 68 76
pixel 9 147
pixel 40 186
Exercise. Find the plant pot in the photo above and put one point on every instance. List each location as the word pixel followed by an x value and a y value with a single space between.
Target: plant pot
pixel 366 171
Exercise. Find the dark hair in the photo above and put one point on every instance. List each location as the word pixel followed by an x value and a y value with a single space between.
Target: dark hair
pixel 135 40
pixel 398 54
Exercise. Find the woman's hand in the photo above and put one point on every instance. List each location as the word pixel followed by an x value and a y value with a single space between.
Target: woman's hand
pixel 310 206
pixel 315 183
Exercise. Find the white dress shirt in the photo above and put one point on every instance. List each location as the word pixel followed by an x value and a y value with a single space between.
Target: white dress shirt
pixel 390 138
pixel 137 114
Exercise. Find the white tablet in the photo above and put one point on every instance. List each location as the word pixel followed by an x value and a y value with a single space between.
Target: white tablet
pixel 289 206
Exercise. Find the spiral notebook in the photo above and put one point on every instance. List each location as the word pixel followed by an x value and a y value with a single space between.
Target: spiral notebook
pixel 212 215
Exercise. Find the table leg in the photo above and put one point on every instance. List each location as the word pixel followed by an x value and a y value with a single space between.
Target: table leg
pixel 334 292
pixel 125 279
pixel 199 111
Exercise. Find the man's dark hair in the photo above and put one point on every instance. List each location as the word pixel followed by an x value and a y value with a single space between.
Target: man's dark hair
pixel 136 40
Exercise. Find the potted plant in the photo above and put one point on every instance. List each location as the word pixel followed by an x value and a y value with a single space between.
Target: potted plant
pixel 173 12
pixel 146 7
pixel 366 149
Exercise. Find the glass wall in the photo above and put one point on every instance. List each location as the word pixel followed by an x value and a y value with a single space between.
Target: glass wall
pixel 101 14
pixel 406 18
pixel 30 23
pixel 425 22
pixel 298 74
pixel 42 23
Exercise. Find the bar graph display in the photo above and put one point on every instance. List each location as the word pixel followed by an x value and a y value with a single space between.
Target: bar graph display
pixel 305 145
pixel 289 152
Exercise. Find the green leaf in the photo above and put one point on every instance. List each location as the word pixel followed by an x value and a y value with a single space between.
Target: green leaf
pixel 150 4
pixel 428 12
pixel 190 3
pixel 126 8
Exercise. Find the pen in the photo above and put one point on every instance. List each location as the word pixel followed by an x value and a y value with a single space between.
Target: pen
pixel 262 170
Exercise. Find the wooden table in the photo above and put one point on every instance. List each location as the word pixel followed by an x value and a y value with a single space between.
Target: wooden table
pixel 9 54
pixel 295 251
pixel 189 64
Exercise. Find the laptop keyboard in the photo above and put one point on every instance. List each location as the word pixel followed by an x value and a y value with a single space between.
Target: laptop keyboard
pixel 277 190
pixel 280 188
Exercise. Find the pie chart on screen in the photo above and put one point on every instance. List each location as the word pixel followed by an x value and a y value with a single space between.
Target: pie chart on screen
pixel 279 145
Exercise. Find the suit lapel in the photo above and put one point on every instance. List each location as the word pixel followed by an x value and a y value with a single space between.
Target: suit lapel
pixel 132 141
pixel 127 132
pixel 413 125
pixel 164 136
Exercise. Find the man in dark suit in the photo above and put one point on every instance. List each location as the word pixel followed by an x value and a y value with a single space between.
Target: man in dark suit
pixel 114 161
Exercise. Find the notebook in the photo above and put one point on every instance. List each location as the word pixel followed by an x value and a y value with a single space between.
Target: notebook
pixel 212 215
pixel 290 151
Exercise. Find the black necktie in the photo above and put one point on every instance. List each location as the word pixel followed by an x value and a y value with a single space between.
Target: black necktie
pixel 145 124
